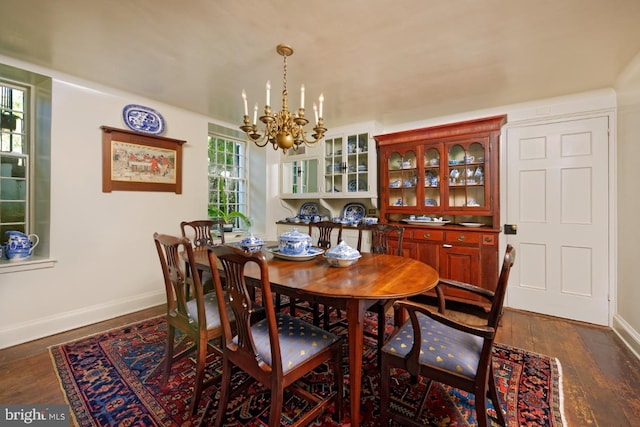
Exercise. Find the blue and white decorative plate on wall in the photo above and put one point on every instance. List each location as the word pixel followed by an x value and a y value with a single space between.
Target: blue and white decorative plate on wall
pixel 143 119
pixel 354 211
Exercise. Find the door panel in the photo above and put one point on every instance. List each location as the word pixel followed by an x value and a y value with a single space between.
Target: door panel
pixel 557 195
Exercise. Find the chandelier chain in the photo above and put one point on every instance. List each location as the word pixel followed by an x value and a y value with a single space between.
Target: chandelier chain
pixel 284 84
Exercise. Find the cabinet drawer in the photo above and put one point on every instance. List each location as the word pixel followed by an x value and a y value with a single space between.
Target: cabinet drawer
pixel 427 234
pixel 462 237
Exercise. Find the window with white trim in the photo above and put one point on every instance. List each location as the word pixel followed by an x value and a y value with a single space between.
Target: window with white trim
pixel 14 158
pixel 228 187
pixel 25 157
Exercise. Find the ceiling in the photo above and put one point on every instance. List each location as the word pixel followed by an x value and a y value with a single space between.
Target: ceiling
pixel 415 60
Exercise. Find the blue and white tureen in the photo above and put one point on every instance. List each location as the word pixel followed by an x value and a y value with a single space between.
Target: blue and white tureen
pixel 294 243
pixel 342 255
pixel 252 243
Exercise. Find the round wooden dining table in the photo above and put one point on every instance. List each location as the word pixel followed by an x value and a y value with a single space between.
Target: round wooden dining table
pixel 355 288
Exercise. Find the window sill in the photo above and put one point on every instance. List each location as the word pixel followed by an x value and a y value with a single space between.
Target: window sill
pixel 33 263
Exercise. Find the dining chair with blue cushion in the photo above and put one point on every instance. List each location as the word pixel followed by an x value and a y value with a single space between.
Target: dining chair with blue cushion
pixel 277 350
pixel 383 239
pixel 440 349
pixel 197 318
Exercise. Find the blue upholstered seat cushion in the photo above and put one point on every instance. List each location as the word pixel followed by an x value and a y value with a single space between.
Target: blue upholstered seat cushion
pixel 442 346
pixel 210 309
pixel 299 340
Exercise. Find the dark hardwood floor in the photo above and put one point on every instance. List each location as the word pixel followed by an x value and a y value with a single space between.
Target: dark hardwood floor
pixel 601 377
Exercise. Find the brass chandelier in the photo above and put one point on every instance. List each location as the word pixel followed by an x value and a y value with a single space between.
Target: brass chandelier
pixel 283 129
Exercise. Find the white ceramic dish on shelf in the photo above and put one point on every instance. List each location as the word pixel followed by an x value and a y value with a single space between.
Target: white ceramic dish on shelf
pixel 423 222
pixel 471 224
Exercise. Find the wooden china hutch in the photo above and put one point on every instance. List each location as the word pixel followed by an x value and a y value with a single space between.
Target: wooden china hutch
pixel 442 184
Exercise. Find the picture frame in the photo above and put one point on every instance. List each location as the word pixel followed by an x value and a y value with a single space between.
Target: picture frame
pixel 139 162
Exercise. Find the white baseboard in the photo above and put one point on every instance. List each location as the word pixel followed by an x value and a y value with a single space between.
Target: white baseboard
pixel 61 322
pixel 627 334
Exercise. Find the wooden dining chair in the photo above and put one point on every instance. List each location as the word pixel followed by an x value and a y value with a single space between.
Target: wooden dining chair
pixel 277 350
pixel 441 349
pixel 197 318
pixel 200 233
pixel 381 237
pixel 325 230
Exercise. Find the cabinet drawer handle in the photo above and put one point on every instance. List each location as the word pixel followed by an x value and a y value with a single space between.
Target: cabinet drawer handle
pixel 426 235
pixel 447 246
pixel 460 238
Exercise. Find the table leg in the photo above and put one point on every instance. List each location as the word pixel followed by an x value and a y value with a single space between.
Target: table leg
pixel 355 319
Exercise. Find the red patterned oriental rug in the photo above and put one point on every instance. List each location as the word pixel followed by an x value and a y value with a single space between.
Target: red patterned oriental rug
pixel 113 379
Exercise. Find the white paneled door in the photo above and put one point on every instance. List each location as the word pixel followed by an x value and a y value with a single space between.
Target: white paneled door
pixel 558 197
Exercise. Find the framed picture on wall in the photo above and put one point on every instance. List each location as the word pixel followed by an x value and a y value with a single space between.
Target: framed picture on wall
pixel 135 162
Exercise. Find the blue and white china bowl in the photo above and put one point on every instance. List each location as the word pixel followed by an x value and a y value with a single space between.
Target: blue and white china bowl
pixel 252 243
pixel 294 243
pixel 342 255
pixel 370 220
pixel 19 246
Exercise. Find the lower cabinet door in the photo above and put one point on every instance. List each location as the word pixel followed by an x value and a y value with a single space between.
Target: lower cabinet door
pixel 460 263
pixel 429 253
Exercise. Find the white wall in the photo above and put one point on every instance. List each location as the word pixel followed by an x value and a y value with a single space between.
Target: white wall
pixel 106 261
pixel 627 319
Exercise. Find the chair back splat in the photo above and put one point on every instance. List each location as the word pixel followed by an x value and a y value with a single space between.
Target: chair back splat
pixel 278 349
pixel 199 231
pixel 439 348
pixel 325 229
pixel 381 237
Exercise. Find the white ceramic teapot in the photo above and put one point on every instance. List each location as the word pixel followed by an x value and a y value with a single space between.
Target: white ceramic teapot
pixel 20 246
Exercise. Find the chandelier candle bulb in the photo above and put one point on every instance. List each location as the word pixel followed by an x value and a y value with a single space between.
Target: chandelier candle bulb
pixel 244 100
pixel 321 99
pixel 268 92
pixel 255 114
pixel 315 110
pixel 302 97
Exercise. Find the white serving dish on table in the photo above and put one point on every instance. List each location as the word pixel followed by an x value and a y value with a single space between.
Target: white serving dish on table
pixel 342 255
pixel 310 254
